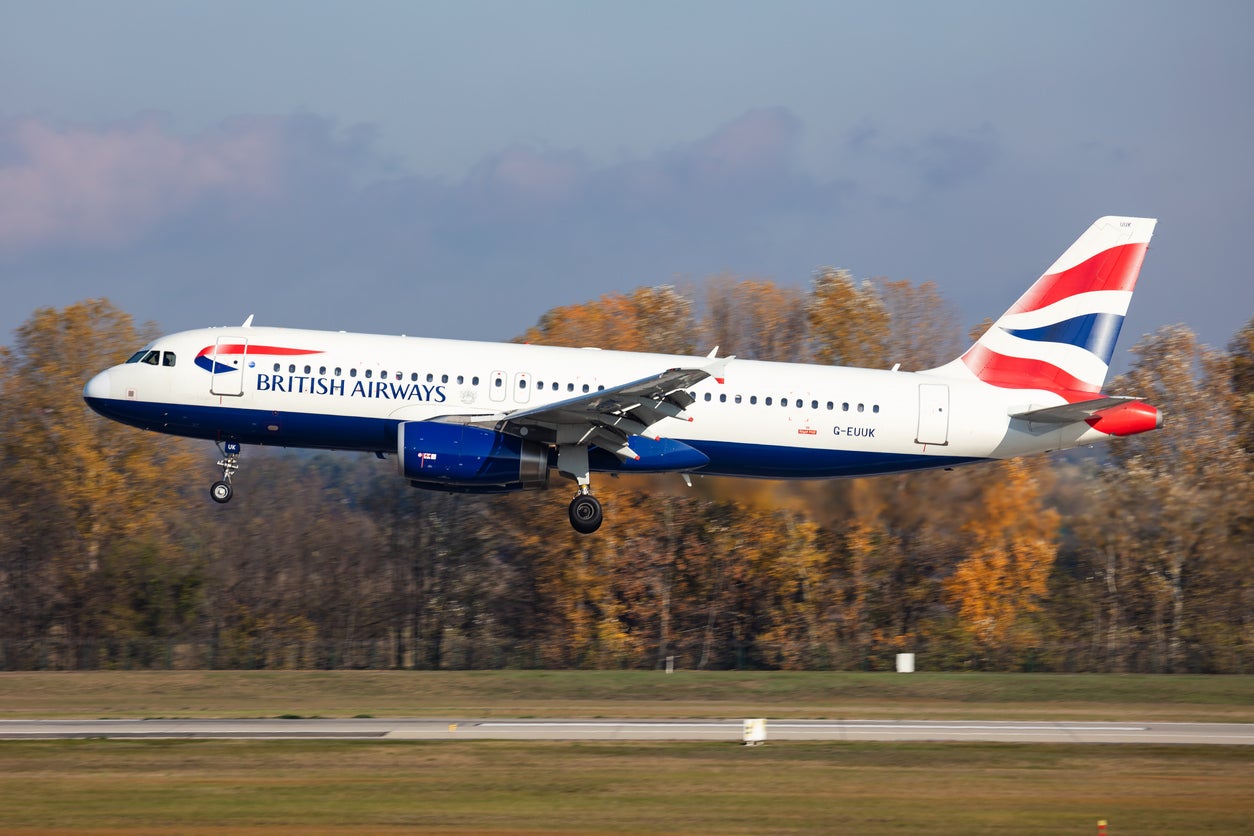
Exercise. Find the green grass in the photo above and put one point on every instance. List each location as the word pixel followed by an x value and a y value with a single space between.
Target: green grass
pixel 506 787
pixel 270 787
pixel 642 694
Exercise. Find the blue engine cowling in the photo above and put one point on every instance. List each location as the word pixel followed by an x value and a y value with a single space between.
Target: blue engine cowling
pixel 455 457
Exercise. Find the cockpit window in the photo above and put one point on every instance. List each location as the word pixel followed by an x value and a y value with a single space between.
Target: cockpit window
pixel 153 358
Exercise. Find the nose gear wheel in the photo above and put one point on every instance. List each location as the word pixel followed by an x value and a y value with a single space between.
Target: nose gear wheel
pixel 221 491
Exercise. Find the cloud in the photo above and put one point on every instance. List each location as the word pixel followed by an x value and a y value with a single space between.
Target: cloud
pixel 109 186
pixel 937 161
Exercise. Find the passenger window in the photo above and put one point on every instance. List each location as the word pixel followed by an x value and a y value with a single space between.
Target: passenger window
pixel 522 383
pixel 814 404
pixel 430 378
pixel 860 407
pixel 830 406
pixel 352 372
pixel 875 408
pixel 768 402
pixel 570 387
pixel 444 378
pixel 167 358
pixel 291 369
pixel 369 373
pixel 707 397
pixel 308 369
pixel 414 377
pixel 722 399
pixel 753 400
pixel 276 367
pixel 322 370
pixel 338 371
pixel 498 382
pixel 460 380
pixel 585 387
pixel 474 381
pixel 844 407
pixel 738 399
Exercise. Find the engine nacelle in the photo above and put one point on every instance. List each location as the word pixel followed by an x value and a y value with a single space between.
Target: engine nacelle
pixel 455 457
pixel 1127 419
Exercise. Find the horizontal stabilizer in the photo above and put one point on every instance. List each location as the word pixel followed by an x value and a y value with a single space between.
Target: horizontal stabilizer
pixel 1070 413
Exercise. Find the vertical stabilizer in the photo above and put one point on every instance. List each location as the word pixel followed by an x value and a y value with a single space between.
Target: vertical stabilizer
pixel 1061 334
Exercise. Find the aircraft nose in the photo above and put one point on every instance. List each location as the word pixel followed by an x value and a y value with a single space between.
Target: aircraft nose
pixel 98 387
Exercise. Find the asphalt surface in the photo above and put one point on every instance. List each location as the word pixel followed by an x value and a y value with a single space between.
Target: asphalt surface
pixel 1241 734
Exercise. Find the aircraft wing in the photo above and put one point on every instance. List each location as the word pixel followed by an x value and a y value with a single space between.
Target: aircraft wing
pixel 1070 413
pixel 606 418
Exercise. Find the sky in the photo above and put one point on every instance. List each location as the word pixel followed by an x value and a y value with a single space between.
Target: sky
pixel 457 169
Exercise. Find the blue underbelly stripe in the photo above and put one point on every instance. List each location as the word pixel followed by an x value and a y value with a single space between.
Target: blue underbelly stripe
pixel 342 432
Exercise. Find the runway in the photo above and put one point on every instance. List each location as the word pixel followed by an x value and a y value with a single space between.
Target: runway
pixel 995 731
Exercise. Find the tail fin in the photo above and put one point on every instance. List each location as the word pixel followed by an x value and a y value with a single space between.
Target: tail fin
pixel 1061 334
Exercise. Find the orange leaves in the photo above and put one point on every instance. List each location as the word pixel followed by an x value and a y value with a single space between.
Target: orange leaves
pixel 755 319
pixel 1013 543
pixel 653 319
pixel 848 321
pixel 114 481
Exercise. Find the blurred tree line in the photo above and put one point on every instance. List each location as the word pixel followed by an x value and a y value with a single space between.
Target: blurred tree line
pixel 1136 557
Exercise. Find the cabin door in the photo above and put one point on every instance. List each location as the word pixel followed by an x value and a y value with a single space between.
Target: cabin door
pixel 229 357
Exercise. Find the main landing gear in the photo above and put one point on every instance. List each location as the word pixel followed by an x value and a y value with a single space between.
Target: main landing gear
pixel 585 512
pixel 221 491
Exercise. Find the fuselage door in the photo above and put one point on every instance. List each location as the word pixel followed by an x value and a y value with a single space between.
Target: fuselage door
pixel 229 357
pixel 933 414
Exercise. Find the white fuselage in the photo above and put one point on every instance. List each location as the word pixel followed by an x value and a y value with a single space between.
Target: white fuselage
pixel 335 390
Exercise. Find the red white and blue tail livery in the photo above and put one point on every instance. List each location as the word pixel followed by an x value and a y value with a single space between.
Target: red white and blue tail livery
pixel 474 417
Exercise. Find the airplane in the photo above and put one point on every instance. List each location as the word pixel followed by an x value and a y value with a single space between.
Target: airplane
pixel 481 417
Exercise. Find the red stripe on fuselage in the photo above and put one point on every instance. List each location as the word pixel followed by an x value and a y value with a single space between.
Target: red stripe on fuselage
pixel 241 348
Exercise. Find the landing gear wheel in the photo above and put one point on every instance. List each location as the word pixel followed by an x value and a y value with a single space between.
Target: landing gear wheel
pixel 221 492
pixel 585 513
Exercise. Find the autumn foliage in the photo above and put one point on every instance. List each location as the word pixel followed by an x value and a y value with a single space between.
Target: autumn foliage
pixel 1137 557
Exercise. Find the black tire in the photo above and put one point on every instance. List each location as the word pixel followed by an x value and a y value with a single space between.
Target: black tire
pixel 585 514
pixel 221 492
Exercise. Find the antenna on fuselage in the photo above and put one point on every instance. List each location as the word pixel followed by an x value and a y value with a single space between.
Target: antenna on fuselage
pixel 248 323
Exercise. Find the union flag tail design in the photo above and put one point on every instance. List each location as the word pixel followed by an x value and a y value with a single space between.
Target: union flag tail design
pixel 1061 334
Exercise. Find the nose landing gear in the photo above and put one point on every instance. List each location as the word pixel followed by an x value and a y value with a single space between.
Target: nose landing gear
pixel 221 491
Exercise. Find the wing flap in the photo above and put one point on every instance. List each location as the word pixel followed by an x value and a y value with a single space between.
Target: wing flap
pixel 608 418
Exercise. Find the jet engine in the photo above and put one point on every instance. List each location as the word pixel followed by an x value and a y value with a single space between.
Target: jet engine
pixel 463 459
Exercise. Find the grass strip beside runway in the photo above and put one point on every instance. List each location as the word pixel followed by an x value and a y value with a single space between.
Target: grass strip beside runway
pixel 642 694
pixel 312 786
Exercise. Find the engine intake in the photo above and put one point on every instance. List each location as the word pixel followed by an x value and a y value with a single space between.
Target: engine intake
pixel 456 457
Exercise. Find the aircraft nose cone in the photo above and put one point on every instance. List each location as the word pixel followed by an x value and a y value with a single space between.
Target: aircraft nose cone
pixel 97 388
